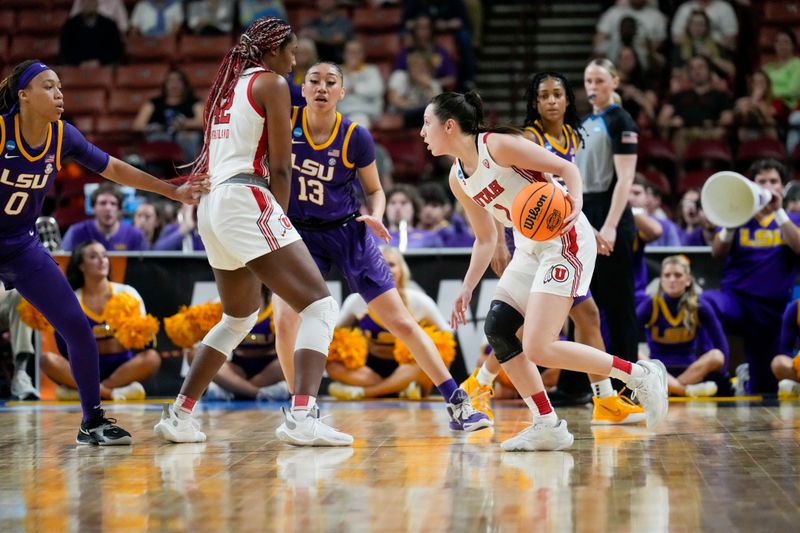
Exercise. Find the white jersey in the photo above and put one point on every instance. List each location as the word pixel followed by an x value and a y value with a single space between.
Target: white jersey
pixel 238 143
pixel 494 187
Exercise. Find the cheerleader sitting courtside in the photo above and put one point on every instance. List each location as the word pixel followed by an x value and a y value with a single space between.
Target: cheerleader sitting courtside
pixel 672 320
pixel 386 371
pixel 785 367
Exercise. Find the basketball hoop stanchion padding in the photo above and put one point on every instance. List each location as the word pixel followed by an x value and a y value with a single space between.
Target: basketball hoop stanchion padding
pixel 729 199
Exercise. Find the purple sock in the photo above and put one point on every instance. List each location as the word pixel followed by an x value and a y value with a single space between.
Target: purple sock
pixel 447 388
pixel 46 288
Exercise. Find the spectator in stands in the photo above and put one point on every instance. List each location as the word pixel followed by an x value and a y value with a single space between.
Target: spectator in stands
pixel 760 271
pixel 305 56
pixel 22 349
pixel 791 200
pixel 628 36
pixel 363 85
pixel 210 17
pixel 694 227
pixel 724 25
pixel 653 205
pixel 784 71
pixel 445 70
pixel 403 205
pixel 757 114
pixel 435 218
pixel 697 41
pixel 698 112
pixel 330 31
pixel 90 38
pixel 147 218
pixel 651 23
pixel 106 226
pixel 157 18
pixel 411 90
pixel 174 115
pixel 113 9
pixel 635 88
pixel 449 16
pixel 181 235
pixel 121 369
pixel 250 10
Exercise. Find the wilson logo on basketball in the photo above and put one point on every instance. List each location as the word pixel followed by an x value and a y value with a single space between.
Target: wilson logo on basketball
pixel 533 213
pixel 553 221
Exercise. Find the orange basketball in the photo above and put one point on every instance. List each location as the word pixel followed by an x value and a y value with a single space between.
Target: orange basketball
pixel 539 211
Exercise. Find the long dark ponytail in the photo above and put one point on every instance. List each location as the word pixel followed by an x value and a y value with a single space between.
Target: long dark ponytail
pixel 8 87
pixel 466 109
pixel 571 117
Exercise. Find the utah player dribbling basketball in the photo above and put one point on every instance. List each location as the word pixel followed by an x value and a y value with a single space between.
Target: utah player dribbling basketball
pixel 248 238
pixel 490 169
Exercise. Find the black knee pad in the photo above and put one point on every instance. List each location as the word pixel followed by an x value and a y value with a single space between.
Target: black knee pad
pixel 501 326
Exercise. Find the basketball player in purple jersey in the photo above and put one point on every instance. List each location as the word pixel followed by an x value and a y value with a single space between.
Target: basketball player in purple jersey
pixel 328 153
pixel 672 320
pixel 757 279
pixel 552 122
pixel 33 142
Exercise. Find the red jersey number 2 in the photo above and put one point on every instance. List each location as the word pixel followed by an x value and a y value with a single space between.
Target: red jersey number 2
pixel 222 113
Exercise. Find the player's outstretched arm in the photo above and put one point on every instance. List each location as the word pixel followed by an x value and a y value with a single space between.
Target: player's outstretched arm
pixel 125 174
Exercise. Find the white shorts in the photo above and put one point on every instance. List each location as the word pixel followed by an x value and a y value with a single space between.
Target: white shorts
pixel 239 223
pixel 561 266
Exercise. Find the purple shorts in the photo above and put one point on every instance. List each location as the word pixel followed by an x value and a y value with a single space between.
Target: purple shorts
pixel 354 252
pixel 252 365
pixel 110 363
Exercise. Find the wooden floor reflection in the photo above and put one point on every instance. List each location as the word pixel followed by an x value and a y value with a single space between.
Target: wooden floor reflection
pixel 710 467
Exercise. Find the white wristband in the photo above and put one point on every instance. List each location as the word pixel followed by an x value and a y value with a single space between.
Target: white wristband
pixel 726 235
pixel 637 210
pixel 781 217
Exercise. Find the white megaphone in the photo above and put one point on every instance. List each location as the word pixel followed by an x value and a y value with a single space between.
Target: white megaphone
pixel 730 200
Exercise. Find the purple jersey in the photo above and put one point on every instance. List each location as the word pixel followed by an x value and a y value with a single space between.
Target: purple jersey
pixel 639 264
pixel 669 339
pixel 760 264
pixel 543 139
pixel 27 173
pixel 324 176
pixel 790 329
pixel 126 238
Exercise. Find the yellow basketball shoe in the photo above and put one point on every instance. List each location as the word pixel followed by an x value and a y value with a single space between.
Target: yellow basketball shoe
pixel 616 409
pixel 480 396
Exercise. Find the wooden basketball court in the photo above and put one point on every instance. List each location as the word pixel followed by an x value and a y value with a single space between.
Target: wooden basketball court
pixel 711 467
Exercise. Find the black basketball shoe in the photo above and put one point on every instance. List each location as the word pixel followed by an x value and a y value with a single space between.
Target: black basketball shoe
pixel 103 432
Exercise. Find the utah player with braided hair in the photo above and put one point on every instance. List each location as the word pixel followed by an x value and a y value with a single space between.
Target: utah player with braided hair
pixel 33 142
pixel 249 240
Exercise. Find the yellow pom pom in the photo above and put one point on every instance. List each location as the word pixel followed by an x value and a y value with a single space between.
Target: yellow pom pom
pixel 179 329
pixel 444 341
pixel 349 347
pixel 32 318
pixel 120 308
pixel 190 324
pixel 136 332
pixel 796 365
pixel 205 316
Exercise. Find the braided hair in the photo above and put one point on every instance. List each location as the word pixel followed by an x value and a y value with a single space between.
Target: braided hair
pixel 8 87
pixel 532 96
pixel 264 35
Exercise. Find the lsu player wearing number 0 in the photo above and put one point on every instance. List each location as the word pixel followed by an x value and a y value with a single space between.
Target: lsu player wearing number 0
pixel 328 153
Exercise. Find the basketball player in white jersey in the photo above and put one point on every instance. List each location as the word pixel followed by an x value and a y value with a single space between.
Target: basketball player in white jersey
pixel 543 278
pixel 248 238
